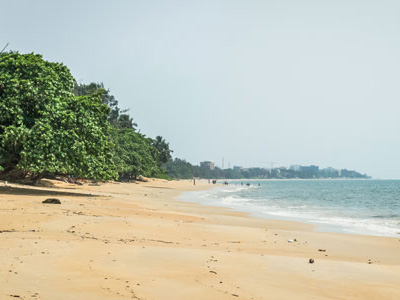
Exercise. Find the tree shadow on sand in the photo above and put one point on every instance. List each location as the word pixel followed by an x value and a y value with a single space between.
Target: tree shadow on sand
pixel 27 191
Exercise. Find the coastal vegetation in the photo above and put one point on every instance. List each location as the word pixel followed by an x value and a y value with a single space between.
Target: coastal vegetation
pixel 50 125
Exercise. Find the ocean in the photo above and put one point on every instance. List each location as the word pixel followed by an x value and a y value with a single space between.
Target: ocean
pixel 370 207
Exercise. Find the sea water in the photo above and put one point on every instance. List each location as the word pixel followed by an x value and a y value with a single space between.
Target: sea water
pixel 348 206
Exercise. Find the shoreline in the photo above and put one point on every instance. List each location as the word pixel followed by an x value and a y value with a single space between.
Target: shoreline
pixel 139 241
pixel 317 226
pixel 246 199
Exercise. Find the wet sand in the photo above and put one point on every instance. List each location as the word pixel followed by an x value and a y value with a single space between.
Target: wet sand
pixel 136 241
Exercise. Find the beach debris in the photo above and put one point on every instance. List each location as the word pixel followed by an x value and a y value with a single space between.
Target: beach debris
pixel 321 250
pixel 234 295
pixel 142 178
pixel 213 272
pixel 71 179
pixel 291 241
pixel 52 201
pixel 311 260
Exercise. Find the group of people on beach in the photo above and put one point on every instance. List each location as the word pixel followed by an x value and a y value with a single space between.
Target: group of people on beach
pixel 248 184
pixel 214 181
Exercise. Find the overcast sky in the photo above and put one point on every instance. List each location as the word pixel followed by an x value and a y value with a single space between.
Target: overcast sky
pixel 289 82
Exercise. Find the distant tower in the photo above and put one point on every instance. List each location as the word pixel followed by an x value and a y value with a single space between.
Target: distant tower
pixel 222 162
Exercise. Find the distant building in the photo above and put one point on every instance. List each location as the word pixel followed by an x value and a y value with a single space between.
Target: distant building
pixel 207 164
pixel 295 167
pixel 352 174
pixel 330 172
pixel 276 172
pixel 312 170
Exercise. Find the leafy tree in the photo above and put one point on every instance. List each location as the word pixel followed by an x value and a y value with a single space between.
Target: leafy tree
pixel 124 121
pixel 117 117
pixel 164 153
pixel 44 127
pixel 134 154
pixel 179 168
pixel 106 97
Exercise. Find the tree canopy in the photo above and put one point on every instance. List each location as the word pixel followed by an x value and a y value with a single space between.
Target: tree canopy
pixel 134 153
pixel 164 153
pixel 51 125
pixel 44 127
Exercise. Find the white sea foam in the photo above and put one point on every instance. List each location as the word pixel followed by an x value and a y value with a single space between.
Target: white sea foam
pixel 331 208
pixel 297 206
pixel 235 189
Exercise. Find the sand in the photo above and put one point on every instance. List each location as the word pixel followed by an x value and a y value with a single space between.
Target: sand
pixel 137 241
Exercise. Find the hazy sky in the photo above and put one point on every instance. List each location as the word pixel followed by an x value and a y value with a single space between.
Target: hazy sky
pixel 290 82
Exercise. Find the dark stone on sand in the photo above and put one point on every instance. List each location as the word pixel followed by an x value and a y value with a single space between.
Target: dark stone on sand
pixel 52 201
pixel 311 261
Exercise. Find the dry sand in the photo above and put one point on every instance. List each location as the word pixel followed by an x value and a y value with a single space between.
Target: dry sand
pixel 135 241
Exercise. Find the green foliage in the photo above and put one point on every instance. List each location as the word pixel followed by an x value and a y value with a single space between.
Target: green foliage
pixel 51 125
pixel 134 154
pixel 44 127
pixel 106 97
pixel 124 121
pixel 164 153
pixel 179 168
pixel 117 117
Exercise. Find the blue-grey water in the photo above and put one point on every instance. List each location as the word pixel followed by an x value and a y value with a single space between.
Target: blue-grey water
pixel 350 206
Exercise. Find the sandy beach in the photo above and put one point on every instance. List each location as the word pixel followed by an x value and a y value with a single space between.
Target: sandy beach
pixel 137 241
